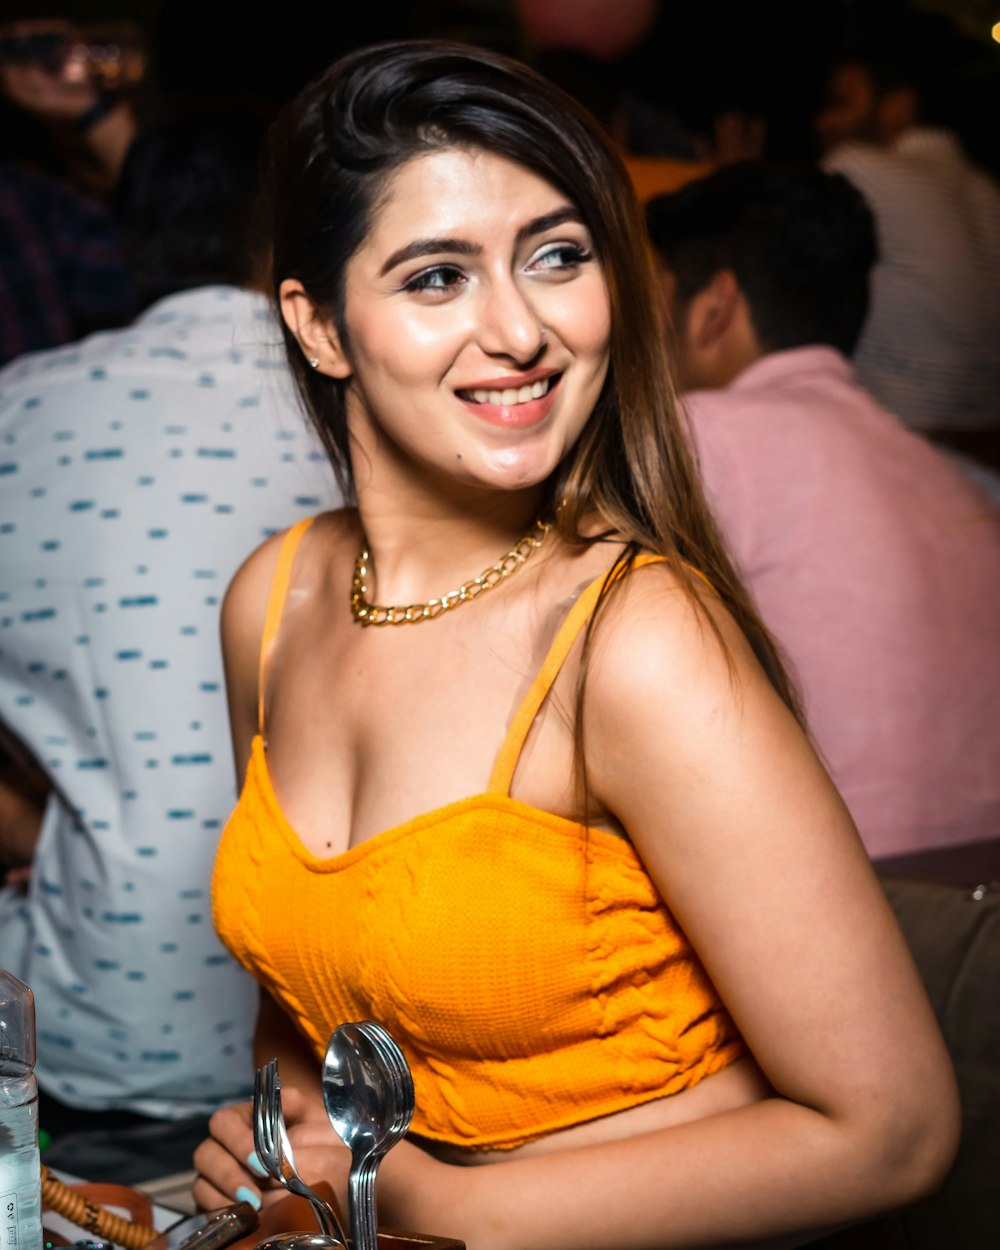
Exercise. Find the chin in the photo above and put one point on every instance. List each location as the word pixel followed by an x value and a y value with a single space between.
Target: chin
pixel 517 473
pixel 526 466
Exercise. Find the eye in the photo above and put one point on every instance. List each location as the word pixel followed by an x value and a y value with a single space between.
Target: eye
pixel 560 257
pixel 436 278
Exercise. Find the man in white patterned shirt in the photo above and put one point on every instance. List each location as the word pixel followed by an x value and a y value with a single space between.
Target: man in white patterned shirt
pixel 929 347
pixel 137 469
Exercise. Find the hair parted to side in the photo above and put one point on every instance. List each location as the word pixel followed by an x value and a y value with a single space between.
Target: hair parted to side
pixel 331 157
pixel 334 151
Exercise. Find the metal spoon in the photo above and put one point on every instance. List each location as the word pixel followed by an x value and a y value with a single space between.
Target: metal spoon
pixel 365 1099
pixel 270 1138
pixel 299 1241
pixel 398 1072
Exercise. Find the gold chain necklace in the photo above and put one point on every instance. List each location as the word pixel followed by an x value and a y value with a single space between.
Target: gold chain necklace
pixel 373 614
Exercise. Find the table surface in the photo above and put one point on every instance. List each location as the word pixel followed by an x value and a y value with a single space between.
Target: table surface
pixel 172 1192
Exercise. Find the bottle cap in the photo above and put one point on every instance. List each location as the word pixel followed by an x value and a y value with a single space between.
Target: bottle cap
pixel 17 1026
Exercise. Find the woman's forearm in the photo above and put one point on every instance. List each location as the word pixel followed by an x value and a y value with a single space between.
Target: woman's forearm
pixel 775 1172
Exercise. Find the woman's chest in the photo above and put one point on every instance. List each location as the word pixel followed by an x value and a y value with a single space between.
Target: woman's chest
pixel 485 901
pixel 363 739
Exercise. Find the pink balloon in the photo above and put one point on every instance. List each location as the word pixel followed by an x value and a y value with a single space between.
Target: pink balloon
pixel 593 26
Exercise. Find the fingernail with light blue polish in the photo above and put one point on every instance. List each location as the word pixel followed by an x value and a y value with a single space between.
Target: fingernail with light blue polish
pixel 247 1195
pixel 254 1163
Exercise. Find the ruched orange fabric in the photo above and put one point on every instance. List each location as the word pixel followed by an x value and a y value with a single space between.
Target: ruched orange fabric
pixel 526 964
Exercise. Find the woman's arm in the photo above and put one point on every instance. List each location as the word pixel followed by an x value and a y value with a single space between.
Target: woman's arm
pixel 244 609
pixel 223 1160
pixel 751 847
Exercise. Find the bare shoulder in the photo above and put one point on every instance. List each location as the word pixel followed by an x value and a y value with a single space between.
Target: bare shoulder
pixel 244 614
pixel 684 733
pixel 668 630
pixel 246 599
pixel 244 608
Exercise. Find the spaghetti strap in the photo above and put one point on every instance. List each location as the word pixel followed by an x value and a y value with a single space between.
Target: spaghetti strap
pixel 275 605
pixel 571 628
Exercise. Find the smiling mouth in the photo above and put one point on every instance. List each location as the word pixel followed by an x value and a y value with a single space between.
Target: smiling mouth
pixel 511 396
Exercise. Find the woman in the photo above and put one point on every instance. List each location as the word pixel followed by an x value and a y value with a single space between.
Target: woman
pixel 461 273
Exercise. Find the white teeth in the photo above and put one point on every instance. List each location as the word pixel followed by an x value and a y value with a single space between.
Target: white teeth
pixel 511 395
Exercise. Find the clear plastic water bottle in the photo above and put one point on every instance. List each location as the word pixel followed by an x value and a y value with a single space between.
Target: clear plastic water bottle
pixel 20 1173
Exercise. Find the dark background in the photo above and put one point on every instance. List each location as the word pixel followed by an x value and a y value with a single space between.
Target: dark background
pixel 768 56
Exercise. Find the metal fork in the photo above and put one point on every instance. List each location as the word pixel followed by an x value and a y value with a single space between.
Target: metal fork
pixel 270 1137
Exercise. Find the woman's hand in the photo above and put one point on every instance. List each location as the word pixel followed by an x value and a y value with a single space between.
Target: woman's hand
pixel 223 1161
pixel 226 1160
pixel 227 1164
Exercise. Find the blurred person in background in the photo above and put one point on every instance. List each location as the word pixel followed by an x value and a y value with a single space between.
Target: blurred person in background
pixel 81 91
pixel 62 274
pixel 139 468
pixel 928 350
pixel 871 557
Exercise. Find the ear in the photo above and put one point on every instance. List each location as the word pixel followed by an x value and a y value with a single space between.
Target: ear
pixel 714 340
pixel 712 312
pixel 315 332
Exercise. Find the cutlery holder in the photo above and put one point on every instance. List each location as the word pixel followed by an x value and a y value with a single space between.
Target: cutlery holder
pixel 292 1214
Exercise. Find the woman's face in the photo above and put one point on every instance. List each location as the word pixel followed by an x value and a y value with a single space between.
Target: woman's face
pixel 477 325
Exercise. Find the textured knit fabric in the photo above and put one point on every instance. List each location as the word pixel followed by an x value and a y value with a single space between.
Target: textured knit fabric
pixel 876 564
pixel 526 964
pixel 137 470
pixel 929 346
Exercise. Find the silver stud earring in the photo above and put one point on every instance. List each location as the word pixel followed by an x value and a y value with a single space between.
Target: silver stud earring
pixel 314 362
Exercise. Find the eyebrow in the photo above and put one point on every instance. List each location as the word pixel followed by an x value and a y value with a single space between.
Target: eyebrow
pixel 462 247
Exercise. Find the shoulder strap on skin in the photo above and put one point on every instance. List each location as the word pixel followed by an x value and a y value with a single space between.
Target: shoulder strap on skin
pixel 577 618
pixel 275 606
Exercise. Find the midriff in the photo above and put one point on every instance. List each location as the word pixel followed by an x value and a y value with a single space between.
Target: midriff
pixel 738 1085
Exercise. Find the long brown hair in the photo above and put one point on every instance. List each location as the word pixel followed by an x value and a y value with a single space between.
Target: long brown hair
pixel 330 158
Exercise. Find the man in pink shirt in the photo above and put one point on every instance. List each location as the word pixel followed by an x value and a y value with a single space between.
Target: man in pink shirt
pixel 874 561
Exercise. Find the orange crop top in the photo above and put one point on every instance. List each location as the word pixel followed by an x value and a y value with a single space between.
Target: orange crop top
pixel 526 964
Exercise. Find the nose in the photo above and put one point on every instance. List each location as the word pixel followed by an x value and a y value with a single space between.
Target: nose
pixel 509 322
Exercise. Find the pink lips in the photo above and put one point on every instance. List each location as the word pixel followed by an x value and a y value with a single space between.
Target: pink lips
pixel 515 416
